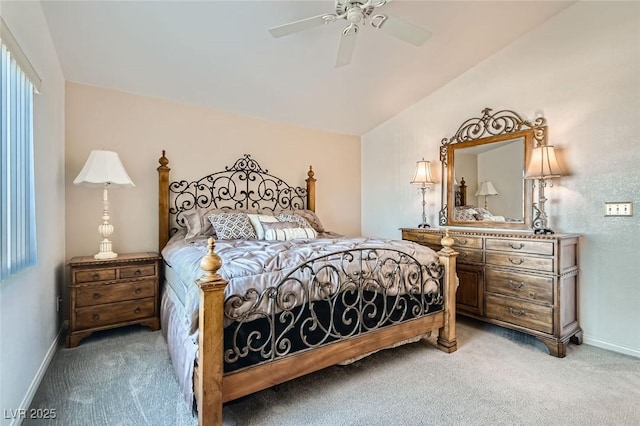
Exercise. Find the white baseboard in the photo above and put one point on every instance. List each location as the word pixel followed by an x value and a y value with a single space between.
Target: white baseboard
pixel 611 347
pixel 35 383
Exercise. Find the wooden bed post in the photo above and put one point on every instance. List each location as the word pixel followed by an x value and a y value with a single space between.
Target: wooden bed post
pixel 447 335
pixel 163 202
pixel 311 190
pixel 211 340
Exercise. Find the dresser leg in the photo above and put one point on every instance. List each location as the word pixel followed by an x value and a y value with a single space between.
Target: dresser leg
pixel 556 347
pixel 577 338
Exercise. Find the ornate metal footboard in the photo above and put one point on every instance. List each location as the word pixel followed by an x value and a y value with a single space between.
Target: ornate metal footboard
pixel 329 298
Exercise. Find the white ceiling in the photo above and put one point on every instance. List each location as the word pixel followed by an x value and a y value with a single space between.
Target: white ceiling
pixel 219 54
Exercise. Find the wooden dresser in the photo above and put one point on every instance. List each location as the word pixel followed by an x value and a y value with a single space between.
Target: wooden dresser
pixel 518 280
pixel 112 293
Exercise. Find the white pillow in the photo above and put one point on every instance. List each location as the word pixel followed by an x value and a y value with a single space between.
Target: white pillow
pixel 255 220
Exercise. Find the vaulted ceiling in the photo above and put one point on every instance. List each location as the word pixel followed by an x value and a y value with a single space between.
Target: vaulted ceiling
pixel 219 54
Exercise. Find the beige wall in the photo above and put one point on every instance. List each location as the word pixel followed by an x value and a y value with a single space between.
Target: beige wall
pixel 29 322
pixel 197 141
pixel 581 70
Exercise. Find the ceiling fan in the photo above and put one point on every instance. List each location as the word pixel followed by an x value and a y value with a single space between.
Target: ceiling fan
pixel 356 12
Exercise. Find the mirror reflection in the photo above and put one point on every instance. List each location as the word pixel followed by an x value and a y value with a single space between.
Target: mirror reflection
pixel 489 183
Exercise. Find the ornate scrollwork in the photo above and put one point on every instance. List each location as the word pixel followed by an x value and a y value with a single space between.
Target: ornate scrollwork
pixel 331 297
pixel 245 185
pixel 498 123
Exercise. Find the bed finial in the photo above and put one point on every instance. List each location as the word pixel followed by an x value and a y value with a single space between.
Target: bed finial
pixel 310 173
pixel 447 242
pixel 210 263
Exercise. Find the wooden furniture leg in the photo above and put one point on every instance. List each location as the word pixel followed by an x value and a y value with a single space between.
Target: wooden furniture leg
pixel 447 335
pixel 211 340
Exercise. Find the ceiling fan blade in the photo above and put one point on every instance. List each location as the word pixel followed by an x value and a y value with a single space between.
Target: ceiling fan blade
pixel 400 29
pixel 301 25
pixel 347 45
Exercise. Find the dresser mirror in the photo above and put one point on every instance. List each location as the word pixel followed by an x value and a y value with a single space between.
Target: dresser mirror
pixel 483 165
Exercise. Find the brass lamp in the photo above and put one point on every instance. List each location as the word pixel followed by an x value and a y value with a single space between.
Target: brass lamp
pixel 542 166
pixel 104 169
pixel 422 177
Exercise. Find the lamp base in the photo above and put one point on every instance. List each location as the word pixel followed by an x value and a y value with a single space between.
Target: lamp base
pixel 543 231
pixel 424 225
pixel 105 255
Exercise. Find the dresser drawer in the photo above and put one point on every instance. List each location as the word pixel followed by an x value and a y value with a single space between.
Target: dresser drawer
pixel 542 264
pixel 422 237
pixel 519 285
pixel 469 256
pixel 94 275
pixel 467 242
pixel 524 314
pixel 112 313
pixel 96 295
pixel 521 246
pixel 138 271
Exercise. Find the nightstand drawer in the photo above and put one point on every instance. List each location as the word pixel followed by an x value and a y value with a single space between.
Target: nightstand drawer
pixel 138 271
pixel 524 314
pixel 521 246
pixel 519 285
pixel 542 264
pixel 422 237
pixel 112 313
pixel 94 275
pixel 97 295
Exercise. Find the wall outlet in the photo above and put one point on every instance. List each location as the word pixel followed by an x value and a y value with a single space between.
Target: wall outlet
pixel 618 209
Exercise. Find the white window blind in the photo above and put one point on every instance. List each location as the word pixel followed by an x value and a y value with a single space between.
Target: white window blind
pixel 17 197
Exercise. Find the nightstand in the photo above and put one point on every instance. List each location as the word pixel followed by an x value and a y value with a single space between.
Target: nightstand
pixel 113 293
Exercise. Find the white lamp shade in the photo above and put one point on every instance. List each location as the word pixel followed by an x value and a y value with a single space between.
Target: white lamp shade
pixel 103 167
pixel 486 188
pixel 543 164
pixel 423 173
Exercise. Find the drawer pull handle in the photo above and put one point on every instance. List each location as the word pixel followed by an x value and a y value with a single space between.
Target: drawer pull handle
pixel 518 247
pixel 138 290
pixel 516 285
pixel 462 242
pixel 96 295
pixel 137 310
pixel 518 262
pixel 463 255
pixel 95 317
pixel 96 277
pixel 137 272
pixel 516 313
pixel 421 237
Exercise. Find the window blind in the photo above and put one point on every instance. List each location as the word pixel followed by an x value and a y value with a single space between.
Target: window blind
pixel 17 197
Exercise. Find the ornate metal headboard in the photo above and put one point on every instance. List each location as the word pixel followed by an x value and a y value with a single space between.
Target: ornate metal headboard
pixel 244 185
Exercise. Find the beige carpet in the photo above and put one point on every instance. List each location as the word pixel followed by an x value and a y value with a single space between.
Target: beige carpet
pixel 497 377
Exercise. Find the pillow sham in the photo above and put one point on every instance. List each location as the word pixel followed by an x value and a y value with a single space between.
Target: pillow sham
pixel 232 226
pixel 198 224
pixel 310 216
pixel 294 218
pixel 257 220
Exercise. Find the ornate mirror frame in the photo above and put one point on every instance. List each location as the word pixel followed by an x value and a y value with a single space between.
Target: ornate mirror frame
pixel 501 126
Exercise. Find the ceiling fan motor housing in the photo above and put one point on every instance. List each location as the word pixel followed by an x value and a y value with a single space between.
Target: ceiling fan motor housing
pixel 355 10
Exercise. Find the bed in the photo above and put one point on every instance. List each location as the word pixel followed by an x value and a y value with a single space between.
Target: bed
pixel 247 311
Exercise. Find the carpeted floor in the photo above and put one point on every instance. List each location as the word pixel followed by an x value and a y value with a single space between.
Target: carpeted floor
pixel 497 377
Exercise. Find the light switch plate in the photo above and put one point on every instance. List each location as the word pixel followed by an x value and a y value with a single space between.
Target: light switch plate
pixel 619 208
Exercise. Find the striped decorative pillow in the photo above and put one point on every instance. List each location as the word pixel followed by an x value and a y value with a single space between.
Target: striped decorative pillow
pixel 284 231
